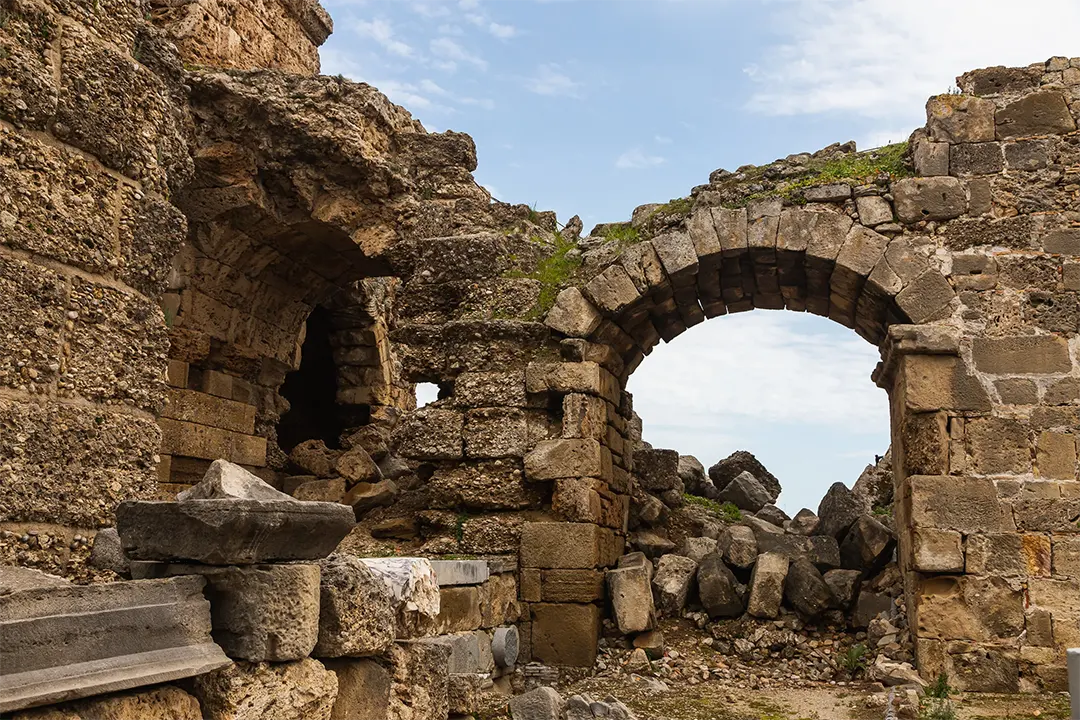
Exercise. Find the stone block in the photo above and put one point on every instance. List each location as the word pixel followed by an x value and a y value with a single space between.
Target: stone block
pixel 833 192
pixel 935 198
pixel 231 531
pixel 460 572
pixel 1017 391
pixel 491 389
pixel 1008 555
pixel 578 500
pixel 363 689
pixel 673 582
pixel 868 605
pixel 278 691
pixel 357 612
pixel 998 445
pixel 960 119
pixel 580 586
pixel 677 254
pixel 631 596
pixel 1040 113
pixel 260 613
pixel 543 703
pixel 564 458
pixel 937 550
pixel 1062 242
pixel 721 594
pixel 498 599
pixel 968 608
pixel 1056 455
pixel 197 407
pixel 565 633
pixel 165 702
pixel 612 290
pixel 941 382
pixel 459 609
pixel 68 642
pixel 470 652
pixel 931 158
pixel 1027 354
pixel 419 675
pixel 562 545
pixel 584 416
pixel 1066 557
pixel 873 210
pixel 573 315
pixel 414 590
pixel 976 159
pixel 965 504
pixel 926 296
pixel 767 585
pixel 844 585
pixel 209 443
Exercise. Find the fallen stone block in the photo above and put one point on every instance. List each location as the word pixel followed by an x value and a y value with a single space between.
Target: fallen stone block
pixel 806 591
pixel 868 545
pixel 415 592
pixel 160 703
pixel 543 703
pixel 745 492
pixel 672 582
pixel 107 553
pixel 631 596
pixel 231 531
pixel 357 611
pixel 64 642
pixel 772 514
pixel 696 548
pixel 720 593
pixel 739 462
pixel 299 690
pixel 843 584
pixel 767 585
pixel 742 552
pixel 838 511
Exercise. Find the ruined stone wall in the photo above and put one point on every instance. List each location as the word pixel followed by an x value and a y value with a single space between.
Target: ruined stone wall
pixel 953 253
pixel 93 144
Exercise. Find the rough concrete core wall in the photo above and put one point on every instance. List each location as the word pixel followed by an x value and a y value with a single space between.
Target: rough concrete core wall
pixel 244 35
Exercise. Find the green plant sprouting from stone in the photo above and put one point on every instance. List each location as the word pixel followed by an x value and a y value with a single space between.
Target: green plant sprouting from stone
pixel 853 660
pixel 622 233
pixel 551 272
pixel 940 687
pixel 858 168
pixel 727 511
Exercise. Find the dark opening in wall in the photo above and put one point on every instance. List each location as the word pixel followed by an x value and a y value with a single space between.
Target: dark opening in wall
pixel 312 390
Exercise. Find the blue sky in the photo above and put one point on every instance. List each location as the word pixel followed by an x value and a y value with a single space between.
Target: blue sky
pixel 592 107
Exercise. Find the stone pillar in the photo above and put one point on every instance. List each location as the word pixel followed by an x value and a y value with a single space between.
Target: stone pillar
pixel 985 464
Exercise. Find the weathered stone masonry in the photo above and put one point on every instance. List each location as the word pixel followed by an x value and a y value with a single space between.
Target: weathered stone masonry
pixel 167 231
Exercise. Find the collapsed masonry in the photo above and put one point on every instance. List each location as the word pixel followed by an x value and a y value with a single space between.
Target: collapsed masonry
pixel 184 223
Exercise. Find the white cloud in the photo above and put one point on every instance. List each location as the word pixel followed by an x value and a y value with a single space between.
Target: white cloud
pixel 762 367
pixel 383 33
pixel 663 140
pixel 430 10
pixel 503 32
pixel 882 60
pixel 451 53
pixel 636 159
pixel 550 80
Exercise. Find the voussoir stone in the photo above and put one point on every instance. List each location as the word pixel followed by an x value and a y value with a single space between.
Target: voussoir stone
pixel 356 609
pixel 231 531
